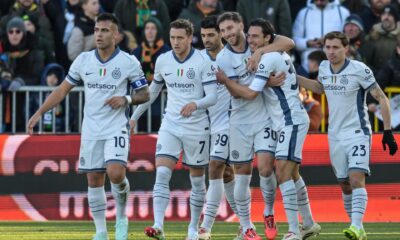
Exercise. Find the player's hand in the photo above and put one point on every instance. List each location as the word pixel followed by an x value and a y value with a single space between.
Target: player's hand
pixel 188 109
pixel 252 64
pixel 388 139
pixel 132 125
pixel 276 79
pixel 221 76
pixel 116 102
pixel 32 122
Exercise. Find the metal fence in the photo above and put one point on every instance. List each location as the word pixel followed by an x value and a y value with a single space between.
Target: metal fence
pixel 29 98
pixel 34 96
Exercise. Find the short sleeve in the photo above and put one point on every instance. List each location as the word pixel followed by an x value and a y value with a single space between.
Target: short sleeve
pixel 264 70
pixel 367 79
pixel 136 75
pixel 158 78
pixel 208 73
pixel 225 65
pixel 74 73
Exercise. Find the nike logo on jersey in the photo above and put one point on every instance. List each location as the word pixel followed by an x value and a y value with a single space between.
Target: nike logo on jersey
pixel 88 73
pixel 166 74
pixel 359 163
pixel 271 146
pixel 119 155
pixel 237 67
pixel 218 152
pixel 199 161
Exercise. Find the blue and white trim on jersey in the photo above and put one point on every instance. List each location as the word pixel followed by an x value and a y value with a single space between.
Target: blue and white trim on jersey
pixel 284 105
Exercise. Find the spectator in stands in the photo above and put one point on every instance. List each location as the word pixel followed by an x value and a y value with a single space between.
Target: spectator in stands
pixel 29 7
pixel 275 11
pixel 196 11
pixel 389 75
pixel 82 36
pixel 354 30
pixel 313 109
pixel 43 44
pixel 147 53
pixel 382 38
pixel 125 40
pixel 313 22
pixel 372 15
pixel 133 13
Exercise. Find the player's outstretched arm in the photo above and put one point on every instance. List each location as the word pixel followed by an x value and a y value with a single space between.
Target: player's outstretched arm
pixel 388 138
pixel 313 85
pixel 234 88
pixel 51 101
pixel 154 90
pixel 280 44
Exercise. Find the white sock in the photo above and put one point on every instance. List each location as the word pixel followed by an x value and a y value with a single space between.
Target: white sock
pixel 358 206
pixel 243 200
pixel 268 189
pixel 161 195
pixel 304 203
pixel 289 196
pixel 197 197
pixel 229 188
pixel 214 196
pixel 120 192
pixel 98 204
pixel 347 199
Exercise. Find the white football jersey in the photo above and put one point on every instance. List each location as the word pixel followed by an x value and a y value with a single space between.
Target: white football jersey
pixel 346 93
pixel 234 64
pixel 283 102
pixel 184 81
pixel 103 80
pixel 219 113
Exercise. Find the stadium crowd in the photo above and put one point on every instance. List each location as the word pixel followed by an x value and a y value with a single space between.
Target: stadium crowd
pixel 40 38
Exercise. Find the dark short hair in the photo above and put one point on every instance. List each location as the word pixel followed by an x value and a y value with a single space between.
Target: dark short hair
pixel 210 22
pixel 185 24
pixel 107 17
pixel 233 16
pixel 337 35
pixel 317 55
pixel 265 25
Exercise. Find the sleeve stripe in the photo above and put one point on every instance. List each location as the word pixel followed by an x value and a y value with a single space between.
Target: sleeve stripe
pixel 158 82
pixel 209 82
pixel 72 80
pixel 373 84
pixel 262 77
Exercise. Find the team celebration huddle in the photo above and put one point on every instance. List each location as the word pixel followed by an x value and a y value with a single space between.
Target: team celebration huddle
pixel 226 105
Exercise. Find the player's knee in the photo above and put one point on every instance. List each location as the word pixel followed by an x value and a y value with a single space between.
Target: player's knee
pixel 116 177
pixel 228 175
pixel 357 183
pixel 216 170
pixel 266 171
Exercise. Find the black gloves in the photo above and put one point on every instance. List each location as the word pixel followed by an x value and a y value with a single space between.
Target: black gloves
pixel 389 140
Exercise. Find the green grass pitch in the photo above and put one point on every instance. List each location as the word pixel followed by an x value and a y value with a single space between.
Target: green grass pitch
pixel 73 230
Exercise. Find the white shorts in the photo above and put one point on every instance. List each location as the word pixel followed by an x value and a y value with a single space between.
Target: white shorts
pixel 247 139
pixel 196 148
pixel 290 142
pixel 220 146
pixel 96 154
pixel 350 155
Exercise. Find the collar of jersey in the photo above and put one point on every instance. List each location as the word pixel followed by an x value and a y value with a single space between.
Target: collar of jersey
pixel 187 57
pixel 228 46
pixel 346 62
pixel 115 53
pixel 211 58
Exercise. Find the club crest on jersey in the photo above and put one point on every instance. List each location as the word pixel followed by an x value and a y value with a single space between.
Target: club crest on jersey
pixel 344 80
pixel 190 73
pixel 102 72
pixel 116 73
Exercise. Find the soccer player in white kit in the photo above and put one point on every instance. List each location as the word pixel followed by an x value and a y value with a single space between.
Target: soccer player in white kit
pixel 107 74
pixel 250 130
pixel 188 75
pixel 345 83
pixel 288 117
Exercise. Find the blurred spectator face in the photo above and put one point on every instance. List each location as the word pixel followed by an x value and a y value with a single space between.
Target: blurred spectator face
pixel 378 5
pixel 14 36
pixel 256 38
pixel 313 66
pixel 180 41
pixel 150 32
pixel 388 22
pixel 209 3
pixel 105 34
pixel 231 31
pixel 26 3
pixel 352 30
pixel 51 80
pixel 29 26
pixel 91 7
pixel 335 51
pixel 211 38
pixel 321 3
